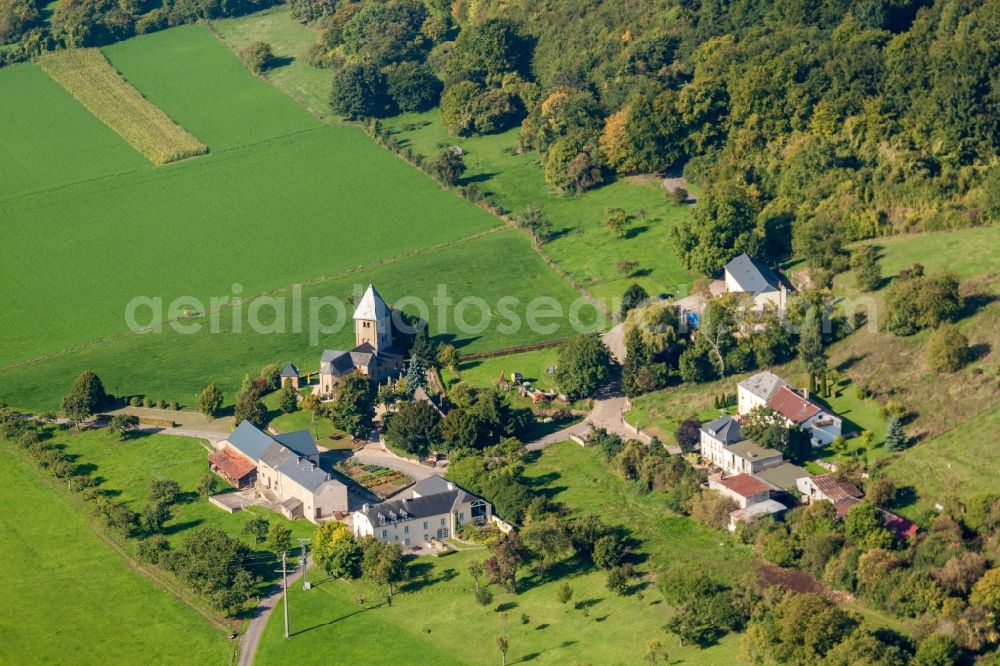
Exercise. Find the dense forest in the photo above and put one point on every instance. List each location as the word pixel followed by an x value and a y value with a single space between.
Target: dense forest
pixel 808 123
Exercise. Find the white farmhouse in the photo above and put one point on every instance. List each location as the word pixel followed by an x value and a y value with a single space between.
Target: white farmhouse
pixel 432 510
pixel 747 275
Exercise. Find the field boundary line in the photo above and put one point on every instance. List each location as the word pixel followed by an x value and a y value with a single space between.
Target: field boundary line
pixel 269 292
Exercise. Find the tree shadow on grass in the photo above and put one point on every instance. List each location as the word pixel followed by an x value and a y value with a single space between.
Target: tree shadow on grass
pixel 477 178
pixel 338 619
pixel 280 61
pixel 635 231
pixel 420 577
pixel 973 303
pixel 176 528
pixel 506 606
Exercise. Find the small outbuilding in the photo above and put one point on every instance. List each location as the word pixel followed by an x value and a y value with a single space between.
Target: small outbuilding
pixel 290 375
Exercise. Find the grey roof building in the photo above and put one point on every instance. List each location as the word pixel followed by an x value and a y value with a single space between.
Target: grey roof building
pixel 373 354
pixel 287 472
pixel 431 510
pixel 751 275
pixel 763 384
pixel 725 429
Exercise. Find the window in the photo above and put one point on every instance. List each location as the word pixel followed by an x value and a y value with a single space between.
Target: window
pixel 406 530
pixel 444 521
pixel 406 542
pixel 385 534
pixel 461 516
pixel 425 524
pixel 425 538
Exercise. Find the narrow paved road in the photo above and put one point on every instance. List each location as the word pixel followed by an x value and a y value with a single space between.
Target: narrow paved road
pixel 255 629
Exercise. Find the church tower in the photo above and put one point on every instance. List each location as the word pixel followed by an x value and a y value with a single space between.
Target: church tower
pixel 373 321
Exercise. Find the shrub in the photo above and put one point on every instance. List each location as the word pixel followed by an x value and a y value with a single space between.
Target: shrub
pixel 619 578
pixel 136 401
pixel 679 195
pixel 947 349
pixel 147 402
pixel 256 56
pixel 162 404
pixel 483 596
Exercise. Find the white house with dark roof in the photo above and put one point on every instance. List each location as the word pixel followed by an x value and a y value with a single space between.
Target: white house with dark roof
pixel 285 470
pixel 747 275
pixel 715 436
pixel 431 510
pixel 373 355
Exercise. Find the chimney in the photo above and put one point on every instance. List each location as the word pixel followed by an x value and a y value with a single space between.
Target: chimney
pixel 451 486
pixel 365 507
pixel 805 392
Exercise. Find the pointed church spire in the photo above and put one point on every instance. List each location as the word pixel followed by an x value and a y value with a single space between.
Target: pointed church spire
pixel 371 306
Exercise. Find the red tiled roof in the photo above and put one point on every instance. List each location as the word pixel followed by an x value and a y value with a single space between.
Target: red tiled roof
pixel 836 490
pixel 232 465
pixel 745 485
pixel 900 527
pixel 844 505
pixel 792 406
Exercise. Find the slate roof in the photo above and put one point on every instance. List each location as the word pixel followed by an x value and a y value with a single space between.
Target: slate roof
pixel 274 455
pixel 289 371
pixel 783 476
pixel 300 442
pixel 339 363
pixel 304 473
pixel 744 485
pixel 726 429
pixel 793 406
pixel 416 508
pixel 763 384
pixel 752 275
pixel 371 306
pixel 249 440
pixel 432 485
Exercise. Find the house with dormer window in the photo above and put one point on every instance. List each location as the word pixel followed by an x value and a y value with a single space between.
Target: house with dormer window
pixel 431 510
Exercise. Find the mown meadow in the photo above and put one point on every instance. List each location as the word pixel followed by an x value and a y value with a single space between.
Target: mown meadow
pixel 71 598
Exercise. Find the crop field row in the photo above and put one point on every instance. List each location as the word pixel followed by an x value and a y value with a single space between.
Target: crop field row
pixel 87 75
pixel 49 139
pixel 189 73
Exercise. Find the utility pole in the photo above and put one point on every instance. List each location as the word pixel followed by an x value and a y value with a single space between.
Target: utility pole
pixel 305 566
pixel 284 586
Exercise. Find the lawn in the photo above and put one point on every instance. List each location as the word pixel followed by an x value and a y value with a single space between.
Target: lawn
pixel 532 365
pixel 175 366
pixel 579 478
pixel 49 140
pixel 72 599
pixel 189 73
pixel 128 468
pixel 436 617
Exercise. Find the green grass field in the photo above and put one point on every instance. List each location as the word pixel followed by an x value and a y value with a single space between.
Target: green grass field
pixel 49 140
pixel 175 366
pixel 72 599
pixel 436 618
pixel 88 76
pixel 309 86
pixel 582 247
pixel 129 467
pixel 532 365
pixel 190 74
